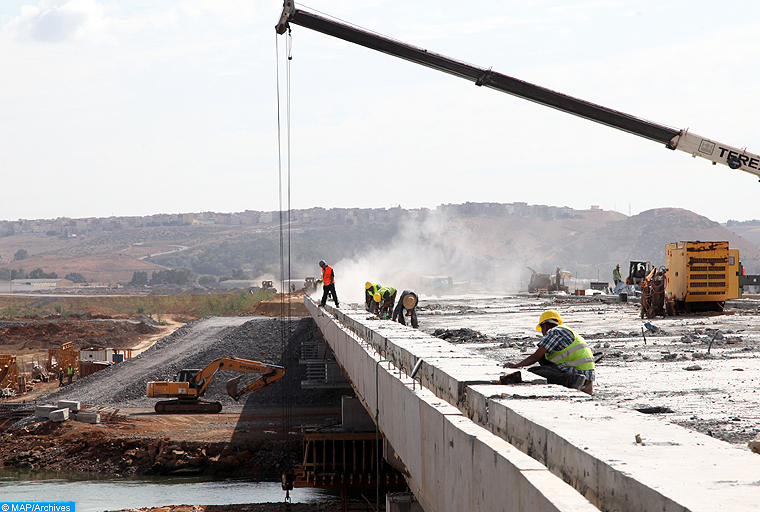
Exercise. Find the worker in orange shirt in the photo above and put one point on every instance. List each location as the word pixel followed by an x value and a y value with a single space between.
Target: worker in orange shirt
pixel 328 283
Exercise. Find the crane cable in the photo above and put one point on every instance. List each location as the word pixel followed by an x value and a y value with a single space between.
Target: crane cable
pixel 286 328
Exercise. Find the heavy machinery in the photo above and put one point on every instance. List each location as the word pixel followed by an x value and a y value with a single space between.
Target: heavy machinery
pixel 268 286
pixel 548 282
pixel 637 271
pixel 698 276
pixel 190 385
pixel 673 139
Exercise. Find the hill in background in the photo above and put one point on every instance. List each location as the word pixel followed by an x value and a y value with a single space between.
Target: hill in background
pixel 492 249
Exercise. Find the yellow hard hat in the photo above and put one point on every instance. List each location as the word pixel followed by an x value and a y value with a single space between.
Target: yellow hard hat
pixel 378 297
pixel 367 285
pixel 549 314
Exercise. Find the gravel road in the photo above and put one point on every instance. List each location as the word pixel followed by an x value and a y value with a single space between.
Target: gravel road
pixel 194 346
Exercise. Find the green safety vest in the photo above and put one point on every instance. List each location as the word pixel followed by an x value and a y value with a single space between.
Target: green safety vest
pixel 578 354
pixel 384 289
pixel 616 275
pixel 372 290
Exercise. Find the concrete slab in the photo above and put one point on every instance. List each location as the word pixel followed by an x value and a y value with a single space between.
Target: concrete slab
pixel 71 405
pixel 59 415
pixel 43 411
pixel 88 417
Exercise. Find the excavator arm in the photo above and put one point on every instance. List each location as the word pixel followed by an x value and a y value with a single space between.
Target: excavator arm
pixel 272 373
pixel 673 139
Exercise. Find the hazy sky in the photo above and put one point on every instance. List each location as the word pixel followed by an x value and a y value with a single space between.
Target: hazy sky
pixel 134 107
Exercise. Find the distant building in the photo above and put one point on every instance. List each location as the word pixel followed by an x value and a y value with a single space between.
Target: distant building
pixel 43 283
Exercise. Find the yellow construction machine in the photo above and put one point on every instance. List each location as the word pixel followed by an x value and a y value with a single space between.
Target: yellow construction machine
pixel 698 276
pixel 190 385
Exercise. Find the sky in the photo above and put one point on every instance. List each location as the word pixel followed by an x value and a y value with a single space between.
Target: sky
pixel 136 107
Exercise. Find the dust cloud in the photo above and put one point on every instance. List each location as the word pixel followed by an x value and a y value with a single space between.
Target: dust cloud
pixel 425 246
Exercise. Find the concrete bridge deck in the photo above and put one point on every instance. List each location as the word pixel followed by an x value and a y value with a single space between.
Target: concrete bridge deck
pixel 471 445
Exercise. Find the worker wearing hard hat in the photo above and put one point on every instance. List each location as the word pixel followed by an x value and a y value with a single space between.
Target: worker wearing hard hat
pixel 385 299
pixel 407 304
pixel 328 283
pixel 370 289
pixel 563 356
pixel 616 276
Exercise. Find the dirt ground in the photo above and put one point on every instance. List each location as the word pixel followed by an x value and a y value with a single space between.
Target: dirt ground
pixel 237 442
pixel 281 305
pixel 34 338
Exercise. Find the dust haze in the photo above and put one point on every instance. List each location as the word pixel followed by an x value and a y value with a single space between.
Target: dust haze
pixel 423 247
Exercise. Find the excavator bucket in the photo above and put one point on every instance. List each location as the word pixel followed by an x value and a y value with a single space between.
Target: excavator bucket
pixel 232 385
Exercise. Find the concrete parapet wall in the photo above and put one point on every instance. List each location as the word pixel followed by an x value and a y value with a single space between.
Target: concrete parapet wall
pixel 453 464
pixel 446 431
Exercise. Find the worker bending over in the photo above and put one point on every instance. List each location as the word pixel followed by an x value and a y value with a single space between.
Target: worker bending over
pixel 563 356
pixel 328 284
pixel 407 304
pixel 370 289
pixel 385 299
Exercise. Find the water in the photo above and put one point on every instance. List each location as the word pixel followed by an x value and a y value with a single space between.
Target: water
pixel 96 493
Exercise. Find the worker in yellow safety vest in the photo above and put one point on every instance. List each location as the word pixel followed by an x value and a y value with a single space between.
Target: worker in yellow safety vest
pixel 385 298
pixel 370 289
pixel 616 276
pixel 563 356
pixel 70 373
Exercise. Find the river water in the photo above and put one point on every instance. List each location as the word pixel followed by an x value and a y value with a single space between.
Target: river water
pixel 96 493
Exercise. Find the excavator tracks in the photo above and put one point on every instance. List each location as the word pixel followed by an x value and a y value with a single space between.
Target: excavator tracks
pixel 188 407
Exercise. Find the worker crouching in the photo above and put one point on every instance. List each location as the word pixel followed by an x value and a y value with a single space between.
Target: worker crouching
pixel 385 299
pixel 407 305
pixel 563 356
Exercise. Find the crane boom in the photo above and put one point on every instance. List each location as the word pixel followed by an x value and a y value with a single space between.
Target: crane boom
pixel 672 138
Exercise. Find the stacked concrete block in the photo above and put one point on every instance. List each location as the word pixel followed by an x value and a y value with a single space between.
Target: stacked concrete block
pixel 71 405
pixel 43 411
pixel 88 417
pixel 59 415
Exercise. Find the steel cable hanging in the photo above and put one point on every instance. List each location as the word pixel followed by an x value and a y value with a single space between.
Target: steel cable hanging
pixel 286 327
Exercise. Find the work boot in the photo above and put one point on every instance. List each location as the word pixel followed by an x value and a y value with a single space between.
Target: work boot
pixel 587 387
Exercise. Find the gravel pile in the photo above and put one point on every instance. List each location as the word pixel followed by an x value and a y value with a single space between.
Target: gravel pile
pixel 195 345
pixel 463 335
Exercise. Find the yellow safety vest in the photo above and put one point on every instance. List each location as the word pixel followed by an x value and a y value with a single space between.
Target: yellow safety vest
pixel 577 355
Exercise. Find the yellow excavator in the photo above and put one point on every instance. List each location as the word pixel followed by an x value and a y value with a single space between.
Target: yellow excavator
pixel 190 385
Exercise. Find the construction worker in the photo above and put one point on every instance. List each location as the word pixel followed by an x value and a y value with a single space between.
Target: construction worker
pixel 385 299
pixel 328 283
pixel 370 289
pixel 70 373
pixel 616 276
pixel 60 376
pixel 563 356
pixel 407 304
